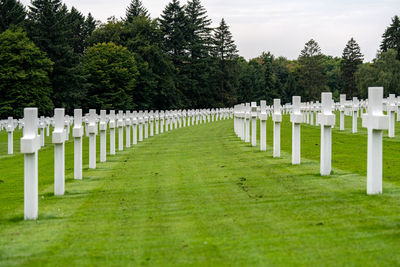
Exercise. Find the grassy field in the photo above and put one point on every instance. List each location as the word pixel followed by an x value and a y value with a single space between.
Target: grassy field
pixel 200 196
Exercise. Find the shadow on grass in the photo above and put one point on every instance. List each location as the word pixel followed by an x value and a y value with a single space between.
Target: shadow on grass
pixel 15 219
pixel 48 194
pixel 20 218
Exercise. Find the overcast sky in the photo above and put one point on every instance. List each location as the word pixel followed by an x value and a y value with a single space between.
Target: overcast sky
pixel 280 26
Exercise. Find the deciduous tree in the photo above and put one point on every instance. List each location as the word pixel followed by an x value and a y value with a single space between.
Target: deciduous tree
pixel 111 75
pixel 24 75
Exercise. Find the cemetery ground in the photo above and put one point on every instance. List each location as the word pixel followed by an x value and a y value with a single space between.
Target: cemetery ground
pixel 198 195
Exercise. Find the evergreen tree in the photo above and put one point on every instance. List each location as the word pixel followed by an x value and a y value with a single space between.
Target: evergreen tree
pixel 351 59
pixel 199 42
pixel 88 28
pixel 136 9
pixel 80 29
pixel 334 77
pixel 391 37
pixel 12 12
pixel 227 70
pixel 257 74
pixel 312 71
pixel 224 45
pixel 24 75
pixel 292 86
pixel 173 24
pixel 198 30
pixel 245 90
pixel 281 75
pixel 76 22
pixel 111 73
pixel 49 28
pixel 270 90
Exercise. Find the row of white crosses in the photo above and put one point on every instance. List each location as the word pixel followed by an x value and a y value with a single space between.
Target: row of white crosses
pixel 144 121
pixel 11 124
pixel 374 120
pixel 356 107
pixel 245 117
pixel 44 123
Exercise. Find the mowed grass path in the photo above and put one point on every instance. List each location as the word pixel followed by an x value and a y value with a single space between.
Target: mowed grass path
pixel 200 196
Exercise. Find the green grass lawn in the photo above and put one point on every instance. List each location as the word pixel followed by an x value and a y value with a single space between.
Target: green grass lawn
pixel 200 196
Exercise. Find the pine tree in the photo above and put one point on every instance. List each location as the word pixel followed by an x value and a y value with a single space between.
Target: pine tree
pixel 136 9
pixel 310 49
pixel 173 24
pixel 198 29
pixel 199 44
pixel 88 28
pixel 227 78
pixel 12 12
pixel 76 22
pixel 49 29
pixel 351 59
pixel 270 87
pixel 391 37
pixel 312 71
pixel 224 45
pixel 80 29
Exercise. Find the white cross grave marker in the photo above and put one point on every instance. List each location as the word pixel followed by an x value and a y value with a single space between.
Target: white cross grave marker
pixel 162 115
pixel 30 144
pixel 128 128
pixel 277 118
pixel 263 125
pixel 253 123
pixel 342 108
pixel 10 130
pixel 47 126
pixel 355 107
pixel 141 120
pixel 157 121
pixel 58 138
pixel 42 126
pixel 103 135
pixel 112 132
pixel 146 124
pixel 151 120
pixel 296 118
pixel 376 122
pixel 134 127
pixel 77 133
pixel 120 125
pixel 327 120
pixel 391 109
pixel 92 129
pixel 247 122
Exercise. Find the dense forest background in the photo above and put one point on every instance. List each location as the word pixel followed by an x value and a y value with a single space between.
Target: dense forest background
pixel 53 56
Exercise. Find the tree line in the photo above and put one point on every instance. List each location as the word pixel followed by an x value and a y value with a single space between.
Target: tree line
pixel 52 56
